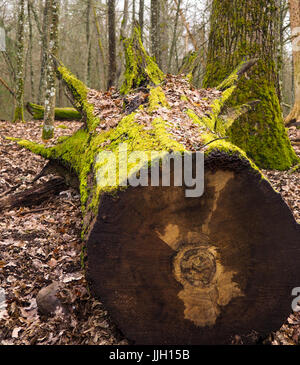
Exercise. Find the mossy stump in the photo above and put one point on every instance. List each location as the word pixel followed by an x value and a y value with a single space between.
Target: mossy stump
pixel 173 270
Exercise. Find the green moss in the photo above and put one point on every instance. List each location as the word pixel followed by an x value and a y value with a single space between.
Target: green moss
pixel 141 69
pixel 18 114
pixel 62 139
pixel 184 98
pixel 157 99
pixel 48 132
pixel 37 112
pixel 205 122
pixel 189 65
pixel 260 132
pixel 295 169
pixel 80 92
pixel 234 38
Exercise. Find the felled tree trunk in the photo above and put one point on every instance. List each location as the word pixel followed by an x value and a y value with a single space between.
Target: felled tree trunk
pixel 61 114
pixel 172 269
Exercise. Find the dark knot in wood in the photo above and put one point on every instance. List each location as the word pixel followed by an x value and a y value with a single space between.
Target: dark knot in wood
pixel 198 267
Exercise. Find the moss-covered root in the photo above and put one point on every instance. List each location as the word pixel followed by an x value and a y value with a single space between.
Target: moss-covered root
pixel 259 132
pixel 237 74
pixel 221 118
pixel 141 69
pixel 79 92
pixel 61 114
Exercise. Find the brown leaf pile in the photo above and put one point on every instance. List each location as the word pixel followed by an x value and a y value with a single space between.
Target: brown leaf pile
pixel 38 246
pixel 288 185
pixel 110 107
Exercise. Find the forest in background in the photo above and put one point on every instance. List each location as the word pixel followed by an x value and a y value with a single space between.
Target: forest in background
pixel 83 44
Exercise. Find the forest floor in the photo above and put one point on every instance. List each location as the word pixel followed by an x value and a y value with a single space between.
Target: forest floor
pixel 40 245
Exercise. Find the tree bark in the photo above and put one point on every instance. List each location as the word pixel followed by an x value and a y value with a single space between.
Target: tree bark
pixel 174 270
pixel 155 31
pixel 141 17
pixel 112 43
pixel 88 43
pixel 229 44
pixel 294 5
pixel 174 38
pixel 50 98
pixel 30 50
pixel 100 45
pixel 19 108
pixel 44 48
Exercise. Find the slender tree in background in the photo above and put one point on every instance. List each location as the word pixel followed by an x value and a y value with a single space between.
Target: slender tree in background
pixel 19 110
pixel 112 43
pixel 242 29
pixel 88 42
pixel 125 19
pixel 44 48
pixel 103 72
pixel 173 45
pixel 30 50
pixel 141 17
pixel 155 30
pixel 164 34
pixel 133 16
pixel 295 27
pixel 49 115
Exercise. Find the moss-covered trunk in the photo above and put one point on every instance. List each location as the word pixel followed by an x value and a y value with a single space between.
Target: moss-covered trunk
pixel 241 29
pixel 173 269
pixel 61 114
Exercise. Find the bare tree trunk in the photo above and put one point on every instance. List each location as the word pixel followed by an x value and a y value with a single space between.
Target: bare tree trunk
pixel 88 43
pixel 19 108
pixel 30 49
pixel 187 27
pixel 155 31
pixel 125 19
pixel 173 45
pixel 48 129
pixel 164 31
pixel 133 16
pixel 141 17
pixel 112 43
pixel 45 42
pixel 294 115
pixel 103 71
